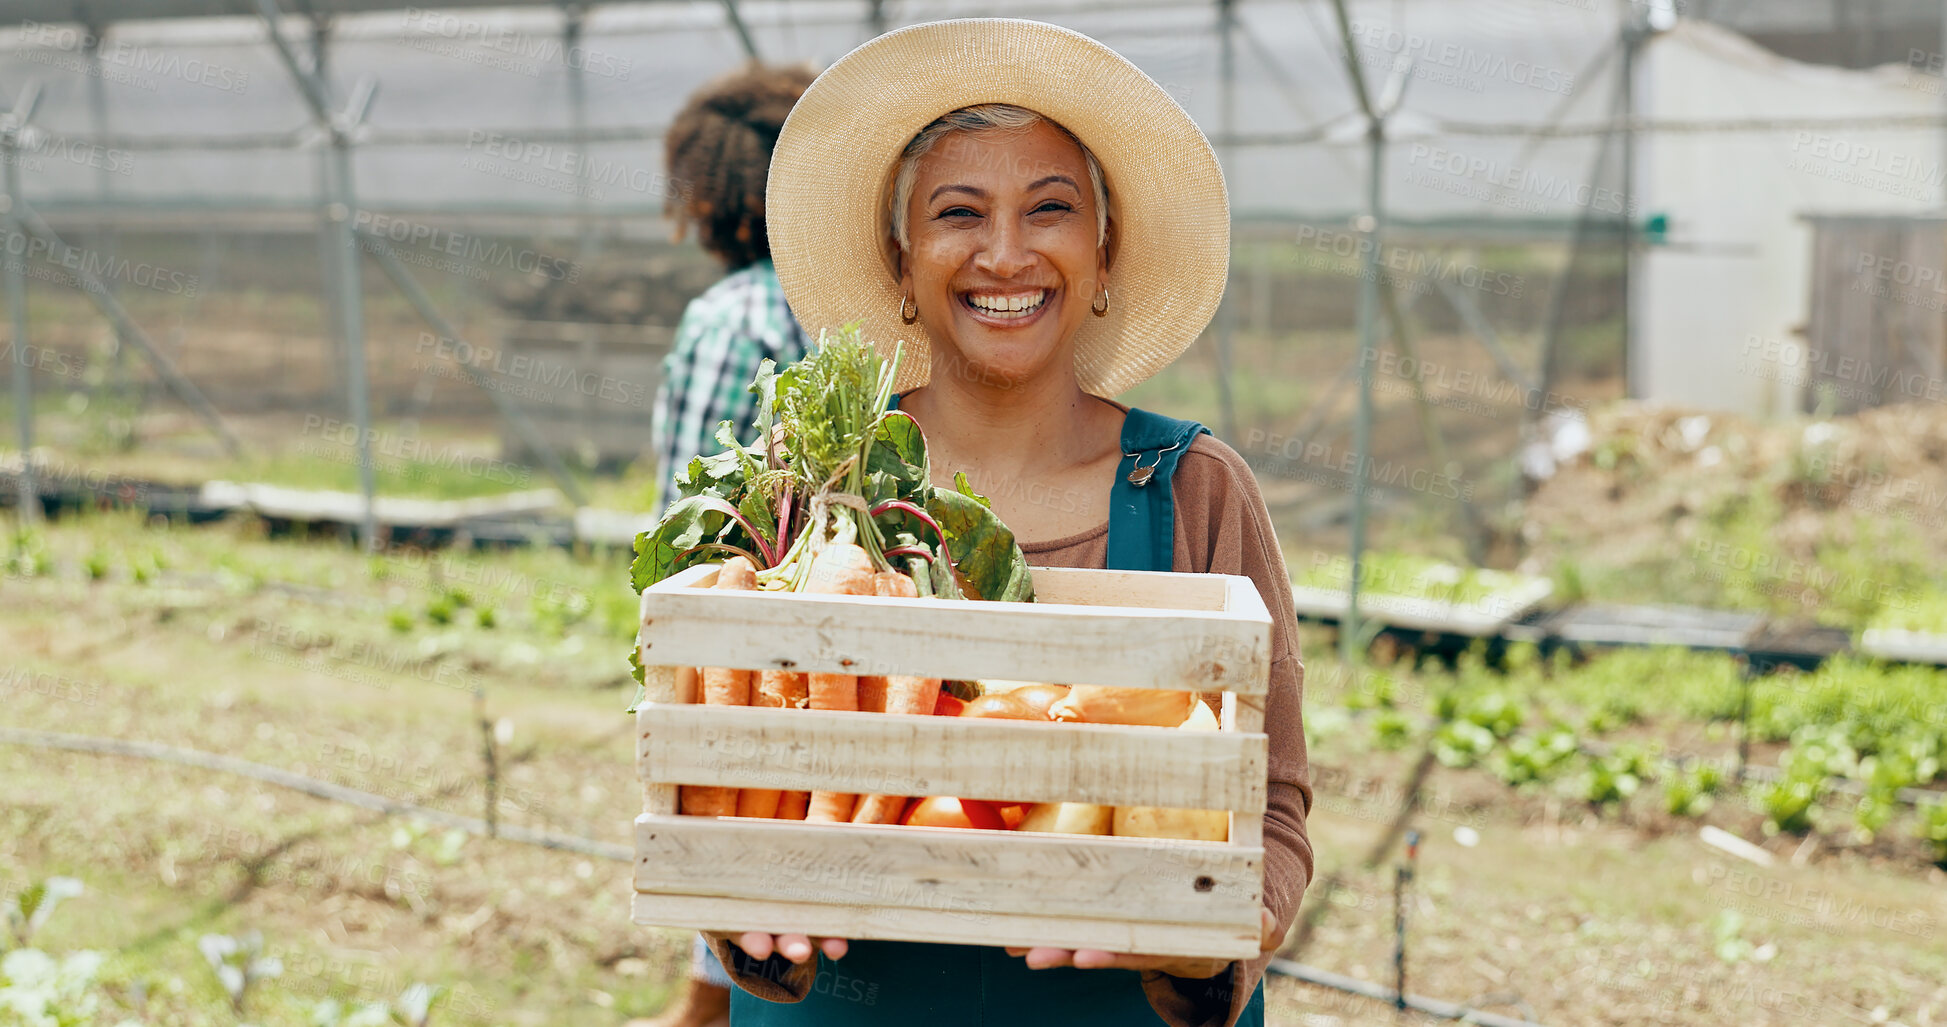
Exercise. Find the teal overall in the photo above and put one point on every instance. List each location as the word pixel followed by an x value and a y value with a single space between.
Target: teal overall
pixel 907 984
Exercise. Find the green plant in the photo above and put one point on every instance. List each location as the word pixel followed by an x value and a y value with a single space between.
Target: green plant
pixel 1615 777
pixel 1528 759
pixel 239 963
pixel 1932 829
pixel 1688 791
pixel 1788 802
pixel 1462 743
pixel 28 911
pixel 1391 730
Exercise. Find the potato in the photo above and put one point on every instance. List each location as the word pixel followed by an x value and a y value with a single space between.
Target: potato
pixel 1209 825
pixel 1068 818
pixel 1201 825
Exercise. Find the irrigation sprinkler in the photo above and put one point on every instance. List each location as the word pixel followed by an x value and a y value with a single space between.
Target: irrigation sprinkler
pixel 1402 876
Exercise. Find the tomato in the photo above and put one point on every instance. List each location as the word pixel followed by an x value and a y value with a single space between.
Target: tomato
pixel 946 811
pixel 1001 706
pixel 1039 697
pixel 948 705
pixel 1012 813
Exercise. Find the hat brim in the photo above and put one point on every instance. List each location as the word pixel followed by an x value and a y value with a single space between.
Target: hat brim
pixel 831 171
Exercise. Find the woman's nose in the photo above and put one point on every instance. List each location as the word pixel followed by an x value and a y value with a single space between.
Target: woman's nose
pixel 1006 253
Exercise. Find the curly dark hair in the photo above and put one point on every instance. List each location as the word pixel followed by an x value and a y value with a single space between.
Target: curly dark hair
pixel 719 149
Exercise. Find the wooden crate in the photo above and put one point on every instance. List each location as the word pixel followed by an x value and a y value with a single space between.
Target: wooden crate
pixel 1136 629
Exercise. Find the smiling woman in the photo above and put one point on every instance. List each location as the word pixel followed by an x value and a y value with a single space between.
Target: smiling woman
pixel 975 190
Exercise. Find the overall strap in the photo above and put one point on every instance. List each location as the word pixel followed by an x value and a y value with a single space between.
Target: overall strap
pixel 1142 507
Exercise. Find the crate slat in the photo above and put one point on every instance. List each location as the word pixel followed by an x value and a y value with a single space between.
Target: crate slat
pixel 1243 715
pixel 948 870
pixel 1203 650
pixel 660 686
pixel 894 754
pixel 1150 590
pixel 953 927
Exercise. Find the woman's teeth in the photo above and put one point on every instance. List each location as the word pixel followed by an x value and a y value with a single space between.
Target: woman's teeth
pixel 1011 306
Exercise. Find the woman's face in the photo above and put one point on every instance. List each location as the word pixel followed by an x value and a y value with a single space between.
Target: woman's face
pixel 1004 262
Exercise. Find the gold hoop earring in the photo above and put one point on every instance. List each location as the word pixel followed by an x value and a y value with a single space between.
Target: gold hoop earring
pixel 1103 310
pixel 905 318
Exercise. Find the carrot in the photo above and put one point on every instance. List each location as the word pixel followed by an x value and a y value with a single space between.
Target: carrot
pixel 903 694
pixel 792 805
pixel 872 693
pixel 758 802
pixel 841 569
pixel 722 686
pixel 780 688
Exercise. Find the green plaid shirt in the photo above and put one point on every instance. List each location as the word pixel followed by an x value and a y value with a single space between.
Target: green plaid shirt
pixel 723 336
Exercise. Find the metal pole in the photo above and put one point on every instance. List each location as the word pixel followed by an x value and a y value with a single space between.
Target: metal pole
pixel 578 118
pixel 352 318
pixel 104 178
pixel 743 31
pixel 1227 118
pixel 338 385
pixel 30 507
pixel 531 437
pixel 1368 352
pixel 1632 38
pixel 125 325
pixel 339 210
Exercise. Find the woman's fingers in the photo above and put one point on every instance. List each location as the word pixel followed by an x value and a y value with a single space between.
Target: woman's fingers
pixel 795 947
pixel 1272 936
pixel 756 944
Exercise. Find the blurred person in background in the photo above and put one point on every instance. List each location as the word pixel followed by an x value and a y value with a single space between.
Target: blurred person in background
pixel 718 154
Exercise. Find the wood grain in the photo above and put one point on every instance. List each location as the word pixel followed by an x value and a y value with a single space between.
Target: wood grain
pixel 897 754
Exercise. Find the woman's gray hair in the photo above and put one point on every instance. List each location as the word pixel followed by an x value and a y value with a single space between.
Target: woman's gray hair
pixel 973 119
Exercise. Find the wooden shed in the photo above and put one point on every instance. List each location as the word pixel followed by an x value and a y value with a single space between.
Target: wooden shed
pixel 1876 331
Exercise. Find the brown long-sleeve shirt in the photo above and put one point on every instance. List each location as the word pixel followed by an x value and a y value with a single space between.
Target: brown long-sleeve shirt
pixel 1222 527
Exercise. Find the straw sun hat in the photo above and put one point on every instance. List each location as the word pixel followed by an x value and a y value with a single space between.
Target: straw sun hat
pixel 832 170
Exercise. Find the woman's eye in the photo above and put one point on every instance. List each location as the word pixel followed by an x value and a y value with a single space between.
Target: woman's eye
pixel 1052 206
pixel 957 212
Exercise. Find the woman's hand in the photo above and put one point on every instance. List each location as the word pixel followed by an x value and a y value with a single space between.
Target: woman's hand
pixel 795 947
pixel 1175 966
